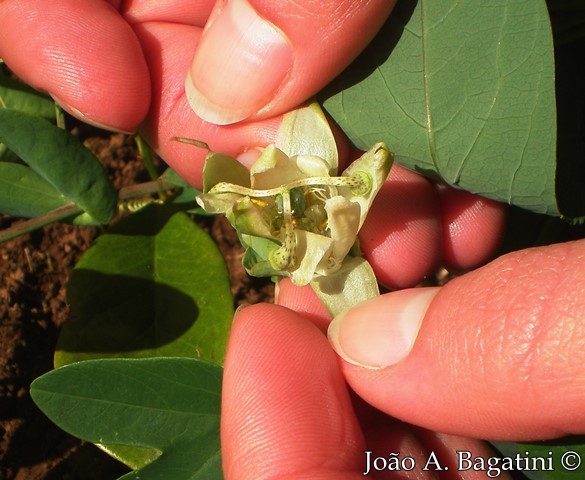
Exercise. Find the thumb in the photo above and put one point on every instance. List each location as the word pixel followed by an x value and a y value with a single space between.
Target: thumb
pixel 497 353
pixel 277 54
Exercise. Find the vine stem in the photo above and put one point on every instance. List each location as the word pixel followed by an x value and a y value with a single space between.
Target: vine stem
pixel 72 209
pixel 146 155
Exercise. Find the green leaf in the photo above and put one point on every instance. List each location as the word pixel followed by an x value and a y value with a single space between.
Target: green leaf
pixel 256 257
pixel 15 95
pixel 155 285
pixel 62 161
pixel 24 193
pixel 168 407
pixel 462 92
pixel 187 193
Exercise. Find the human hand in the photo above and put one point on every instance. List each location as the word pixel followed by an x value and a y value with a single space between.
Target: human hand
pixel 496 353
pixel 286 410
pixel 499 355
pixel 123 65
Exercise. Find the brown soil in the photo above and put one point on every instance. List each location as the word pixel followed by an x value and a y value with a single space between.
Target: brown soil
pixel 33 275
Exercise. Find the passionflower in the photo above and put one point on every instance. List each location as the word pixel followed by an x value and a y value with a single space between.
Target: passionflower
pixel 294 216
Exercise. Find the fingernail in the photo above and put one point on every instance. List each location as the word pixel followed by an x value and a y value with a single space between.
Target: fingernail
pixel 382 331
pixel 81 116
pixel 241 307
pixel 240 62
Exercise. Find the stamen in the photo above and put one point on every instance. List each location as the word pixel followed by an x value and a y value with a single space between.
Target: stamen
pixel 360 183
pixel 284 258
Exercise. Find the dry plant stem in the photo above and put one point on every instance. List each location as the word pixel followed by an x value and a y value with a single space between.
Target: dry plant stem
pixel 72 209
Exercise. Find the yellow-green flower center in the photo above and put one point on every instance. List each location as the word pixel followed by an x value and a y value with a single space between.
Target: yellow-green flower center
pixel 298 205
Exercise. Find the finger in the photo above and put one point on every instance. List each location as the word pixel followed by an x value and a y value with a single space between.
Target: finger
pixel 499 353
pixel 455 456
pixel 83 54
pixel 304 301
pixel 286 412
pixel 193 12
pixel 168 48
pixel 401 236
pixel 278 53
pixel 473 227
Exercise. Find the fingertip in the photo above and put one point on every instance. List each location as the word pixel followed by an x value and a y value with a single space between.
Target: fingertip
pixel 304 301
pixel 473 227
pixel 286 51
pixel 285 406
pixel 495 350
pixel 84 54
pixel 382 331
pixel 401 236
pixel 168 48
pixel 237 43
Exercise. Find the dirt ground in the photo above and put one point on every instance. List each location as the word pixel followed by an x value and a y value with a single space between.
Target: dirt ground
pixel 33 275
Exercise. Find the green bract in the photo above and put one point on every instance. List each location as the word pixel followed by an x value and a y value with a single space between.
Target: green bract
pixel 293 217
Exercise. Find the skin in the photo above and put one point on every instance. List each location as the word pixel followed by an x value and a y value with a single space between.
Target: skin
pixel 510 329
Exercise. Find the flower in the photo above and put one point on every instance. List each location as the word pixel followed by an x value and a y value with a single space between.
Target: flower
pixel 294 217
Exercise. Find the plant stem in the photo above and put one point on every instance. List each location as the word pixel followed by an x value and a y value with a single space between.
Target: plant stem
pixel 72 209
pixel 145 154
pixel 28 226
pixel 59 117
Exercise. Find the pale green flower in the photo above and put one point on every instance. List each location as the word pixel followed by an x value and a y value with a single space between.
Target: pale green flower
pixel 295 218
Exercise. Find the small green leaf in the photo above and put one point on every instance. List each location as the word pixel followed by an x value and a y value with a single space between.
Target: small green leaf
pixel 155 285
pixel 257 255
pixel 62 161
pixel 462 92
pixel 24 193
pixel 185 199
pixel 15 95
pixel 168 407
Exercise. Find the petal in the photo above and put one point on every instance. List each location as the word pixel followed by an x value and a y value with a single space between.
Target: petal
pixel 218 202
pixel 352 284
pixel 343 221
pixel 258 251
pixel 251 217
pixel 311 166
pixel 306 131
pixel 223 168
pixel 311 248
pixel 273 169
pixel 376 163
